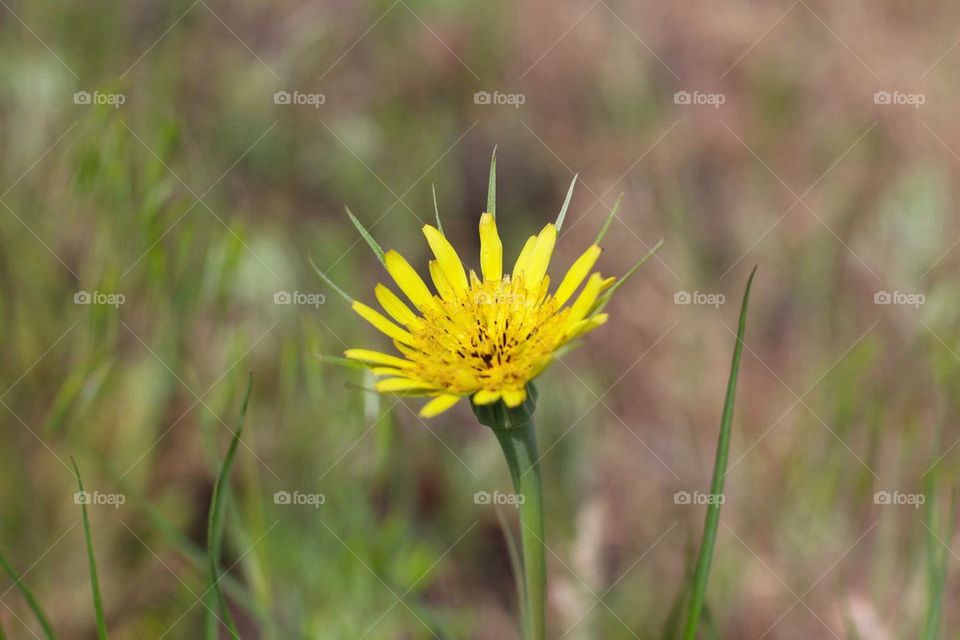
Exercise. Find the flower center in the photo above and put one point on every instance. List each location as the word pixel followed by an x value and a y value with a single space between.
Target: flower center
pixel 496 336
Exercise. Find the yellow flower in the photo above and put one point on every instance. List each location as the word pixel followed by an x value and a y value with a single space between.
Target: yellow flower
pixel 483 336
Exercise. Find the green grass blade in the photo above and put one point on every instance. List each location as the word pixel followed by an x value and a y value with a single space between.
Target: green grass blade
pixel 94 580
pixel 343 294
pixel 373 244
pixel 492 186
pixel 436 209
pixel 938 577
pixel 712 520
pixel 608 294
pixel 215 522
pixel 566 203
pixel 606 224
pixel 31 601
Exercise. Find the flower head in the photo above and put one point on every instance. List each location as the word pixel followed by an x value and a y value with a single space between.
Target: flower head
pixel 484 336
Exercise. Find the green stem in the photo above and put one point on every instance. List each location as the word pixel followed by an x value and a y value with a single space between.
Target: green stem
pixel 519 444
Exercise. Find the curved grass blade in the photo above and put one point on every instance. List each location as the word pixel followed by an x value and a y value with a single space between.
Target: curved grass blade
pixel 492 186
pixel 566 203
pixel 38 613
pixel 343 294
pixel 436 209
pixel 215 524
pixel 94 580
pixel 373 244
pixel 712 519
pixel 606 224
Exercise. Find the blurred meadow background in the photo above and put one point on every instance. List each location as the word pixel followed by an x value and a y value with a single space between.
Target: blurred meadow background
pixel 169 168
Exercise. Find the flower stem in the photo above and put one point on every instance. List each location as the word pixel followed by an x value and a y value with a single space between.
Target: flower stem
pixel 519 444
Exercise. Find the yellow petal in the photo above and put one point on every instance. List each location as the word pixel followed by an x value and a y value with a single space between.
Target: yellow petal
pixel 447 257
pixel 576 275
pixel 408 280
pixel 514 397
pixel 387 371
pixel 401 384
pixel 485 397
pixel 375 357
pixel 594 287
pixel 440 281
pixel 381 323
pixel 524 257
pixel 438 405
pixel 491 249
pixel 394 306
pixel 585 326
pixel 539 260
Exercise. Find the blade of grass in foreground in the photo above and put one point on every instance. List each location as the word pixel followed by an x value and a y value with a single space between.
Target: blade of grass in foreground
pixel 712 519
pixel 94 580
pixel 31 601
pixel 939 567
pixel 215 527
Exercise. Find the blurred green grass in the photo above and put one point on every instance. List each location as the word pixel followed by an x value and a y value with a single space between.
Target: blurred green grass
pixel 100 199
